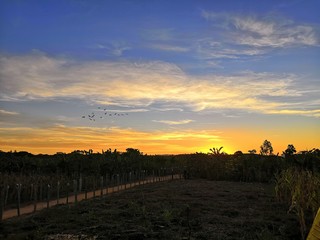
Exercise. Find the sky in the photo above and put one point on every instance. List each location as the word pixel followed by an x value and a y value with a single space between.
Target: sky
pixel 162 76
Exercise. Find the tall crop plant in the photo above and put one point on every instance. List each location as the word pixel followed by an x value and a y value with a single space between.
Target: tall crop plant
pixel 300 189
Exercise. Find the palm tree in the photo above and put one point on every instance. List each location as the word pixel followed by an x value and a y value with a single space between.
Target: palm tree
pixel 216 151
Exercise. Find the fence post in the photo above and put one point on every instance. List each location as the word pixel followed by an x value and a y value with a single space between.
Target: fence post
pixel 85 188
pixel 118 183
pixel 75 192
pixel 143 176
pixel 6 197
pixel 41 192
pixel 48 195
pixel 121 181
pixel 166 174
pixel 94 187
pixel 68 185
pixel 31 191
pixel 80 183
pixel 1 203
pixel 101 186
pixel 35 198
pixel 58 192
pixel 18 186
pixel 107 184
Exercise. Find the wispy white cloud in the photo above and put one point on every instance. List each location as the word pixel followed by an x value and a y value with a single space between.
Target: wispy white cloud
pixel 4 112
pixel 170 48
pixel 140 85
pixel 170 122
pixel 114 48
pixel 303 112
pixel 266 31
pixel 208 49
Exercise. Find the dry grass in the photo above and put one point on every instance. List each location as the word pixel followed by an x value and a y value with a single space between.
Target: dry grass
pixel 186 209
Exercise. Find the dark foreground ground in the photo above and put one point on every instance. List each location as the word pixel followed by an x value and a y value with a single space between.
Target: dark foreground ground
pixel 185 209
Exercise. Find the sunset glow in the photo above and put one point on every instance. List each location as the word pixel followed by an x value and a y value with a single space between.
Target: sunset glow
pixel 159 76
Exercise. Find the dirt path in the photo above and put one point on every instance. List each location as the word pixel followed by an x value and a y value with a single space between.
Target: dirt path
pixel 31 208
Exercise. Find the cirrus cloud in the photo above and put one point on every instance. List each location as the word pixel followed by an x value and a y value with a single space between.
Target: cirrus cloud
pixel 38 76
pixel 264 32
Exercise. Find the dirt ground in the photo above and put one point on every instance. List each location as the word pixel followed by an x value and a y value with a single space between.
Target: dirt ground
pixel 180 209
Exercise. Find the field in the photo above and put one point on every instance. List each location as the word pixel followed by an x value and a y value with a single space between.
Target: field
pixel 179 209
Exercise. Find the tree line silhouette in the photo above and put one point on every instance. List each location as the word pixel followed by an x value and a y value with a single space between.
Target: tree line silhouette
pixel 213 165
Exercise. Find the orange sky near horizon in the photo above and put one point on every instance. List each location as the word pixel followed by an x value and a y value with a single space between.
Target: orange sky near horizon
pixel 67 139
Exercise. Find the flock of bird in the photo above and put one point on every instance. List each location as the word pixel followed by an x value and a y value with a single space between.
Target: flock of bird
pixel 105 113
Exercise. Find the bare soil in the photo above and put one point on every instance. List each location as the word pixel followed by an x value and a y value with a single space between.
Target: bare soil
pixel 179 209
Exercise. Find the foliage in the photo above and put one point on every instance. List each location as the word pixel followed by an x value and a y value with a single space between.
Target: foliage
pixel 266 148
pixel 37 171
pixel 290 151
pixel 239 167
pixel 300 189
pixel 253 151
pixel 217 151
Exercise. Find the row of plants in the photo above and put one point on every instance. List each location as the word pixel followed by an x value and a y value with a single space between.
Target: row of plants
pixel 41 187
pixel 300 190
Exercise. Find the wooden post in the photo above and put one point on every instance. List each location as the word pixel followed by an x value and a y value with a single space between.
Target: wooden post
pixel 142 177
pixel 35 198
pixel 2 190
pixel 125 180
pixel 58 192
pixel 80 183
pixel 6 197
pixel 18 186
pixel 94 187
pixel 48 195
pixel 85 188
pixel 101 186
pixel 121 181
pixel 172 173
pixel 31 191
pixel 118 182
pixel 107 184
pixel 41 192
pixel 68 185
pixel 75 190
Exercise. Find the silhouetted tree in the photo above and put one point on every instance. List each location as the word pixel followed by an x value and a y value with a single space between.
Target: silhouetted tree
pixel 290 151
pixel 266 148
pixel 253 151
pixel 216 151
pixel 238 153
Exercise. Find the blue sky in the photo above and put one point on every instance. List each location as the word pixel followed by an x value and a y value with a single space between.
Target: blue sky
pixel 176 76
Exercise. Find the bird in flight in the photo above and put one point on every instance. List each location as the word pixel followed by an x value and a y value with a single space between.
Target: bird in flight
pixel 93 115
